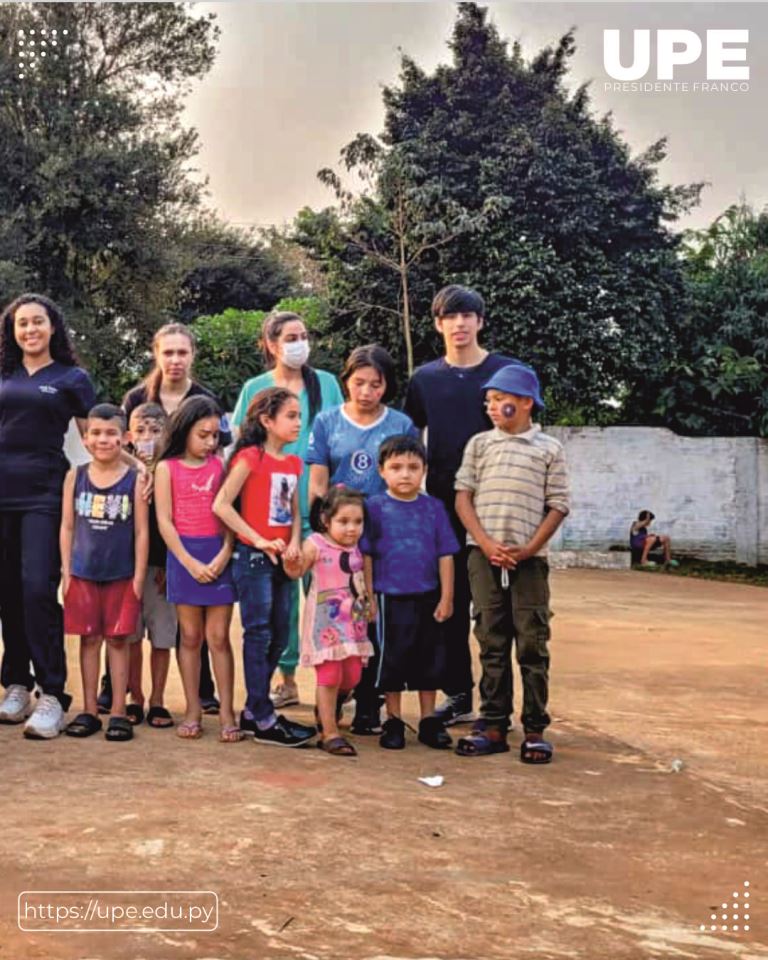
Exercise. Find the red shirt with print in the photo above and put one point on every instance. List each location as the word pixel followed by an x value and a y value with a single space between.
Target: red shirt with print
pixel 267 494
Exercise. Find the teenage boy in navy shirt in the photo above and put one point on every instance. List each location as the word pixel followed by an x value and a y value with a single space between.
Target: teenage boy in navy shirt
pixel 446 397
pixel 408 548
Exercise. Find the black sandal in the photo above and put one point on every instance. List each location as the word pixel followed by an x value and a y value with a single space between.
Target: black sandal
pixel 135 713
pixel 535 750
pixel 84 725
pixel 119 728
pixel 159 718
pixel 337 747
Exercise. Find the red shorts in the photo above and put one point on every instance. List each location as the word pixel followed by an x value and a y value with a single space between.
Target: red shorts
pixel 94 609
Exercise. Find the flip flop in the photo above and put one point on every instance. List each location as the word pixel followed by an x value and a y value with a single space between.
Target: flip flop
pixel 189 730
pixel 534 745
pixel 119 729
pixel 337 747
pixel 231 734
pixel 157 714
pixel 84 725
pixel 135 713
pixel 479 744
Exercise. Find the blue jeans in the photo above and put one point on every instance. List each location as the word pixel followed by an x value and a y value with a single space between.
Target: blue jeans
pixel 265 594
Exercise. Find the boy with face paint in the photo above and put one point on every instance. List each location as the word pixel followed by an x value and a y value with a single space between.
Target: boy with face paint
pixel 511 495
pixel 146 430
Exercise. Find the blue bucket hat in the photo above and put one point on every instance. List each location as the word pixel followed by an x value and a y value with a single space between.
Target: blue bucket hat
pixel 518 379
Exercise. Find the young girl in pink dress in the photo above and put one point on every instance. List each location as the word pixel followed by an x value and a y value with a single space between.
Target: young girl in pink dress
pixel 199 579
pixel 334 636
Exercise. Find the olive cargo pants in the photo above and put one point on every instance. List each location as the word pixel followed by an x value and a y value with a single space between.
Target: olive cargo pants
pixel 520 614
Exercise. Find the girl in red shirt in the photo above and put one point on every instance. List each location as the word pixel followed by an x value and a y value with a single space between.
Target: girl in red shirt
pixel 268 529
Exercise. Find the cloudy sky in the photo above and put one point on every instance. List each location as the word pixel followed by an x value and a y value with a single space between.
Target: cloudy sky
pixel 294 82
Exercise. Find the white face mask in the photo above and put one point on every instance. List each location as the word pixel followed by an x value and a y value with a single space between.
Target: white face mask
pixel 295 353
pixel 146 448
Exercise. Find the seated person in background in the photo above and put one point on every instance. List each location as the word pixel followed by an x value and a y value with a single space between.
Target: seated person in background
pixel 642 541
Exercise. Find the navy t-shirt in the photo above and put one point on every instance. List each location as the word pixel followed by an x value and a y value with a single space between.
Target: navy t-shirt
pixel 448 401
pixel 35 411
pixel 405 539
pixel 138 395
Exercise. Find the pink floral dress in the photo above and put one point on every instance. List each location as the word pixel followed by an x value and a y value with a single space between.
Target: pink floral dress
pixel 335 622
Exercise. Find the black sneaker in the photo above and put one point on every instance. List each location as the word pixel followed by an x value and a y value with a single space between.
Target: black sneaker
pixel 432 734
pixel 456 709
pixel 210 706
pixel 247 725
pixel 365 726
pixel 393 734
pixel 283 733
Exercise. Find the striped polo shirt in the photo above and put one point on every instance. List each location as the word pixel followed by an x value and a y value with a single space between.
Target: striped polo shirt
pixel 515 480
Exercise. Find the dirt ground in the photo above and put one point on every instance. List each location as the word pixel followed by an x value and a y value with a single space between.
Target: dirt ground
pixel 607 853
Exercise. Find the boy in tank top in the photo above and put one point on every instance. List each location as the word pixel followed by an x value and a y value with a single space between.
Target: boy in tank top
pixel 104 548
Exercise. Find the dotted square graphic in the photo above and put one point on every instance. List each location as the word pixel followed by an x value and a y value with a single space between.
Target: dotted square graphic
pixel 739 905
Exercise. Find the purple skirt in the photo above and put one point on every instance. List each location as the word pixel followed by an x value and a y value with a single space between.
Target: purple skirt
pixel 182 586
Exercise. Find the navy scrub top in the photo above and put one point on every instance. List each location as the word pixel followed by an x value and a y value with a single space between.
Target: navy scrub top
pixel 35 411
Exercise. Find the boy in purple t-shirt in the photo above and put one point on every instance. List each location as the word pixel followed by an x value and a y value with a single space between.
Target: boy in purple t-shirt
pixel 408 548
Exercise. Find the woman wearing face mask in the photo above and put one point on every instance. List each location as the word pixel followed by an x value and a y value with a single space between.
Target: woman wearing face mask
pixel 285 344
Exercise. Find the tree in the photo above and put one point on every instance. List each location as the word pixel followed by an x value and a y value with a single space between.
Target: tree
pixel 96 190
pixel 398 220
pixel 574 254
pixel 718 382
pixel 230 269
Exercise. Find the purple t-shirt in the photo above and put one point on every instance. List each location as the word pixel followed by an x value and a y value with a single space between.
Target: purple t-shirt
pixel 406 539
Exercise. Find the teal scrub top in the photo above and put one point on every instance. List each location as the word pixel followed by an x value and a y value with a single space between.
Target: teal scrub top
pixel 330 396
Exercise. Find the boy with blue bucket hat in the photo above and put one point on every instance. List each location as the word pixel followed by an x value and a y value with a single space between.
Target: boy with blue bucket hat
pixel 511 495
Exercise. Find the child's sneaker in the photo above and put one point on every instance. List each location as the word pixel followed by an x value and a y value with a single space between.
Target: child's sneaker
pixel 283 733
pixel 456 709
pixel 432 734
pixel 47 720
pixel 104 699
pixel 17 704
pixel 285 695
pixel 393 734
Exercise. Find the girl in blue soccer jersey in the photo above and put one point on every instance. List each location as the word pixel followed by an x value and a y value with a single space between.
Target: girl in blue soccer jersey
pixel 344 449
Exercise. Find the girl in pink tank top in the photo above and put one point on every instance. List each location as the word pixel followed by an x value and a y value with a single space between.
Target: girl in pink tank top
pixel 199 580
pixel 334 636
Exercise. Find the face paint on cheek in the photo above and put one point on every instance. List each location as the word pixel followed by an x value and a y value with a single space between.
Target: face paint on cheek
pixel 508 411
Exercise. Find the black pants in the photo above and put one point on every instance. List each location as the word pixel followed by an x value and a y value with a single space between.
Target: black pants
pixel 32 619
pixel 458 659
pixel 368 698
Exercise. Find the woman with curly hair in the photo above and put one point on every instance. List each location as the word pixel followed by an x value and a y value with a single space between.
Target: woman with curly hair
pixel 41 389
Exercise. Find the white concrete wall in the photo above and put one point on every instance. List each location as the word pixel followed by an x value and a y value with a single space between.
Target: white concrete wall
pixel 709 494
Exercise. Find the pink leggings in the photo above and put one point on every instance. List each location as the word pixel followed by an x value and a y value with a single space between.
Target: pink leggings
pixel 344 674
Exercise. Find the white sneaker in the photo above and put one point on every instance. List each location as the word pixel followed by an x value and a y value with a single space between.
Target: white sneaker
pixel 47 721
pixel 17 704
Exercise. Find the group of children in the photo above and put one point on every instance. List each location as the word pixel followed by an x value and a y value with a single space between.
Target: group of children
pixel 381 570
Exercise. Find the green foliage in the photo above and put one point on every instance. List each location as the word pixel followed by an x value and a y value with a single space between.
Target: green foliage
pixel 228 344
pixel 566 237
pixel 718 382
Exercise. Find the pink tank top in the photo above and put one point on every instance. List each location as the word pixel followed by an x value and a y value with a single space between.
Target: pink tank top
pixel 193 490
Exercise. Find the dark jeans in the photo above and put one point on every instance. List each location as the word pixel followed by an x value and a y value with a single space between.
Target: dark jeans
pixel 518 615
pixel 33 624
pixel 265 594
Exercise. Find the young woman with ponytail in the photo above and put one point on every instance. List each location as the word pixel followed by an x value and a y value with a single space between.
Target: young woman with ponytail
pixel 285 345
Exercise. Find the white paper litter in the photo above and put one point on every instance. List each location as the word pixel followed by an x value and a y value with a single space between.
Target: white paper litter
pixel 437 781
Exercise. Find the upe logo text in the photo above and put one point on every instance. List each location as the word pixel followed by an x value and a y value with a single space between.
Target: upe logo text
pixel 678 48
